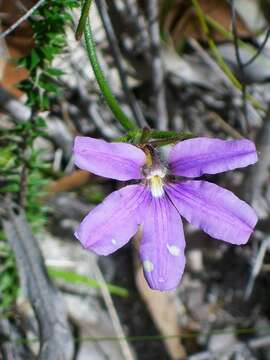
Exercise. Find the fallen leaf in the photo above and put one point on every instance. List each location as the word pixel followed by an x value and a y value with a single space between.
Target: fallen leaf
pixel 182 22
pixel 19 43
pixel 69 182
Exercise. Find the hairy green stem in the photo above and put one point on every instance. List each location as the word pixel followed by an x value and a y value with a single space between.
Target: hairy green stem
pixel 123 119
pixel 160 134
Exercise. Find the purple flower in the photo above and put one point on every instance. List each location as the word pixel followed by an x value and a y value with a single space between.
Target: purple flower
pixel 160 197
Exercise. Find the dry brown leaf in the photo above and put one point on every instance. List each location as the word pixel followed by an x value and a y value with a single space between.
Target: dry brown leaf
pixel 18 44
pixel 69 182
pixel 11 75
pixel 182 22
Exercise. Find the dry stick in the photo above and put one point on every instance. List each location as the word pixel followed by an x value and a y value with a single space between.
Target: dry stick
pixel 259 342
pixel 253 191
pixel 13 348
pixel 56 342
pixel 157 66
pixel 113 42
pixel 113 314
pixel 108 130
pixel 13 107
pixel 19 113
pixel 21 6
pixel 22 19
pixel 253 344
pixel 137 21
pixel 225 126
pixel 258 263
pixel 239 60
pixel 258 173
pixel 216 53
pixel 208 60
pixel 259 51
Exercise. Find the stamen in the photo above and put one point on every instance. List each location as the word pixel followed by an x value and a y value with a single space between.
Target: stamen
pixel 156 186
pixel 156 182
pixel 157 172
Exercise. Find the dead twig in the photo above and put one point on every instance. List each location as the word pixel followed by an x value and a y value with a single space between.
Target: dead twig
pixel 128 355
pixel 56 342
pixel 138 23
pixel 158 83
pixel 10 345
pixel 21 19
pixel 225 126
pixel 58 132
pixel 256 268
pixel 258 174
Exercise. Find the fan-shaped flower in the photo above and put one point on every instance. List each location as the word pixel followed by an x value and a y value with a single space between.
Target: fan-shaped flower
pixel 160 195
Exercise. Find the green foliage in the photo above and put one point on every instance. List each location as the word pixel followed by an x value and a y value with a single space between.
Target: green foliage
pixel 23 173
pixel 9 279
pixel 48 24
pixel 17 153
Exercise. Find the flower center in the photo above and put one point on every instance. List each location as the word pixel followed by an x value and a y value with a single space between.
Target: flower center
pixel 156 182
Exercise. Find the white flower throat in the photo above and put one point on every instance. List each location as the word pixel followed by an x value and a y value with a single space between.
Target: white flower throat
pixel 156 181
pixel 154 172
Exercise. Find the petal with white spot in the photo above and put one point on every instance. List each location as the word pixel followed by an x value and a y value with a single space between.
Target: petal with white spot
pixel 111 224
pixel 162 245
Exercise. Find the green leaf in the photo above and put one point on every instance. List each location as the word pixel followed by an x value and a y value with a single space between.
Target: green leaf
pixel 44 102
pixel 48 86
pixel 55 72
pixel 10 188
pixel 74 278
pixel 6 157
pixel 34 60
pixel 40 122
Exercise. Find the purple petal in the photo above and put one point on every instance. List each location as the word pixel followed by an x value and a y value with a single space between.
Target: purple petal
pixel 111 224
pixel 215 210
pixel 118 161
pixel 195 157
pixel 162 245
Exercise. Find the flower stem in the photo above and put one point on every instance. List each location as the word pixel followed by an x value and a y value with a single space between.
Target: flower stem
pixel 84 14
pixel 123 119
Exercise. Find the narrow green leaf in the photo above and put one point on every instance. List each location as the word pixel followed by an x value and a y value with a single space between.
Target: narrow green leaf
pixel 74 278
pixel 34 60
